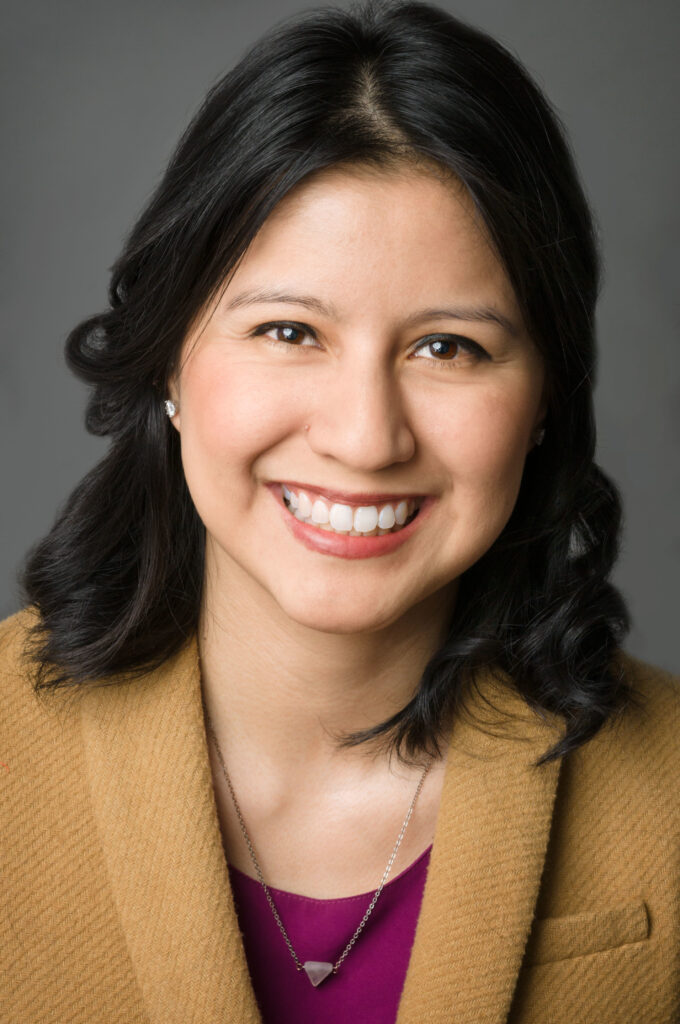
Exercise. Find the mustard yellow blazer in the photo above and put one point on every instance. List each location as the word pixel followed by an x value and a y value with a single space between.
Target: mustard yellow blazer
pixel 553 894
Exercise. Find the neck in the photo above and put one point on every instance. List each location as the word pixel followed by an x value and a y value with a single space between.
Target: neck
pixel 280 694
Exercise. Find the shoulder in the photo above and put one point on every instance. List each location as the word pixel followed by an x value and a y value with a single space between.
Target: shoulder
pixel 653 712
pixel 648 677
pixel 28 720
pixel 632 765
pixel 13 629
pixel 17 668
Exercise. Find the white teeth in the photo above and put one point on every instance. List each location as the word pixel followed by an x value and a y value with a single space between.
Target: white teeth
pixel 366 520
pixel 319 512
pixel 401 513
pixel 290 497
pixel 341 518
pixel 304 505
pixel 387 518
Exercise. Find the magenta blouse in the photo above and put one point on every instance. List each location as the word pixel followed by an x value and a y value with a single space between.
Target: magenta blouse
pixel 368 985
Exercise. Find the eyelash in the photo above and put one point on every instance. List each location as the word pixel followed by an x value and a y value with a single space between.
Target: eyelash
pixel 471 347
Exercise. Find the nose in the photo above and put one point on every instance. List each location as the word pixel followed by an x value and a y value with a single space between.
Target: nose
pixel 358 418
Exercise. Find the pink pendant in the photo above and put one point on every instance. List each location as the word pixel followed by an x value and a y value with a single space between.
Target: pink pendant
pixel 317 971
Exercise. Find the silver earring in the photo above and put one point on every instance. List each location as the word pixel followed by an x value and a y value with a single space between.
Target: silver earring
pixel 539 435
pixel 170 407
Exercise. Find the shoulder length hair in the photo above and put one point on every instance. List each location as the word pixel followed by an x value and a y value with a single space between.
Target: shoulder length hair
pixel 118 579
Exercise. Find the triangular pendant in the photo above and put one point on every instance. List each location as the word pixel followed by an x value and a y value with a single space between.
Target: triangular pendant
pixel 317 971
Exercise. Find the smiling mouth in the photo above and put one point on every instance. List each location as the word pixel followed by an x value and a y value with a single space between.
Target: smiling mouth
pixel 350 520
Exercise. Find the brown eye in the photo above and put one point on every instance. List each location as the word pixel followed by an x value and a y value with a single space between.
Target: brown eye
pixel 451 349
pixel 445 348
pixel 286 334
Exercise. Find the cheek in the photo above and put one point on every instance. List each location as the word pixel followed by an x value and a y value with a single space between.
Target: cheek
pixel 230 414
pixel 482 439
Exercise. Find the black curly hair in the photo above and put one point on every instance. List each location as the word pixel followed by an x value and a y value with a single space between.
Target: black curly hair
pixel 118 579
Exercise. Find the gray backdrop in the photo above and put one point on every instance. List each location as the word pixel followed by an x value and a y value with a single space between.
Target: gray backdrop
pixel 94 96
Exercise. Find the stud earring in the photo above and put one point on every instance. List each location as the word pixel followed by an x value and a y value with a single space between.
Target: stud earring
pixel 539 435
pixel 306 426
pixel 170 407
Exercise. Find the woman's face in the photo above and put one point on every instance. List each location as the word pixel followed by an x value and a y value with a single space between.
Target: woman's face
pixel 371 308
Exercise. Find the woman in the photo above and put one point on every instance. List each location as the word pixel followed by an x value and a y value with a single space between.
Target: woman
pixel 334 721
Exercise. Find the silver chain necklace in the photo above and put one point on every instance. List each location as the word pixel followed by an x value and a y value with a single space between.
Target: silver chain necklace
pixel 316 970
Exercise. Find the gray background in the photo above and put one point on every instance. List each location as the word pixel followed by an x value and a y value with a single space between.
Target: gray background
pixel 94 96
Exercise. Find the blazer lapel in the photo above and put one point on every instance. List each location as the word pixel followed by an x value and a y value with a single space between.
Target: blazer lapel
pixel 152 795
pixel 485 867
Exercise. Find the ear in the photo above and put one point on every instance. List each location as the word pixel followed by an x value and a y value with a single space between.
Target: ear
pixel 540 417
pixel 538 424
pixel 172 393
pixel 542 410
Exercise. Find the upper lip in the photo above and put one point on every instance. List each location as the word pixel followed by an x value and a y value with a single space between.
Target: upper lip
pixel 352 497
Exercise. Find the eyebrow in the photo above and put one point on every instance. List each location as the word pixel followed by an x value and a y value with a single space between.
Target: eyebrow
pixel 479 314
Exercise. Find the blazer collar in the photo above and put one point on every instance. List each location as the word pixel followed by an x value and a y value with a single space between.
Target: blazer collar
pixel 486 863
pixel 151 788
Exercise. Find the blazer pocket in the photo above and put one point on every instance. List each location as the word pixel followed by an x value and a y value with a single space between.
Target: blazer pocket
pixel 560 938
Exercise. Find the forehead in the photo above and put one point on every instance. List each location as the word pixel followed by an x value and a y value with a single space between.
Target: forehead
pixel 351 201
pixel 372 239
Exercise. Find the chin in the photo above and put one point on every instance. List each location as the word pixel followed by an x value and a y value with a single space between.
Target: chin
pixel 330 617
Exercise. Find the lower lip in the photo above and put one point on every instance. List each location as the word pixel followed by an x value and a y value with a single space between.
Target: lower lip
pixel 343 545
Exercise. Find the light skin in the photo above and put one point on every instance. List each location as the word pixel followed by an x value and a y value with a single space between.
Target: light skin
pixel 298 646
